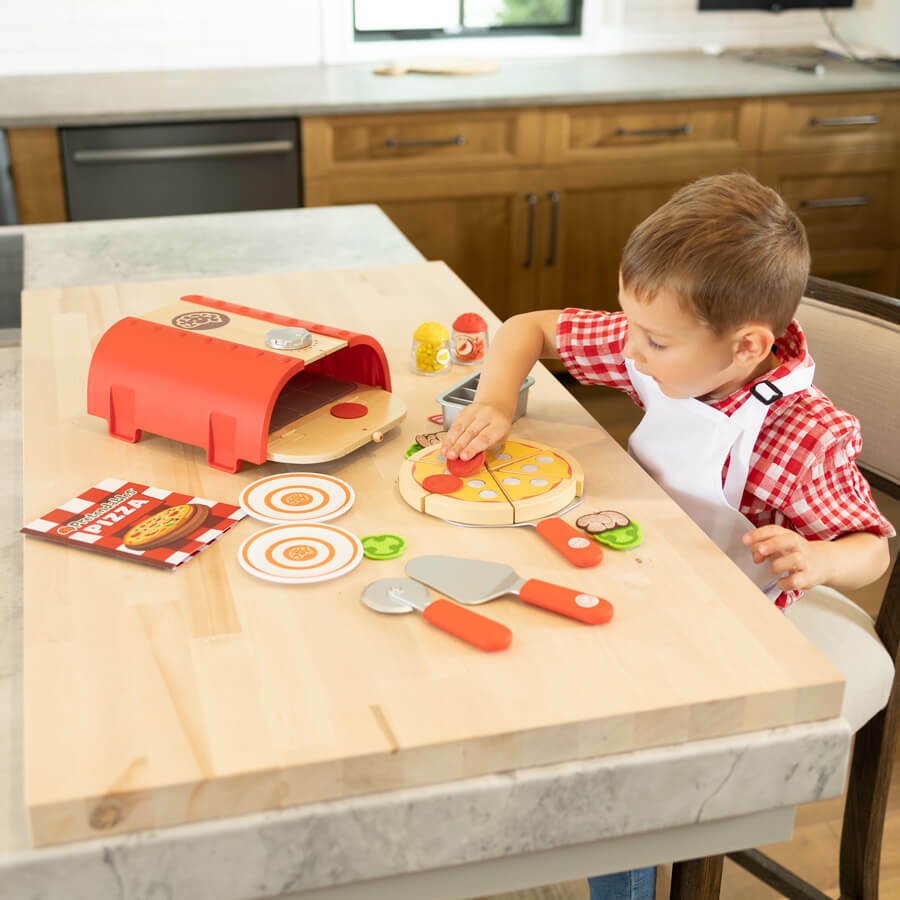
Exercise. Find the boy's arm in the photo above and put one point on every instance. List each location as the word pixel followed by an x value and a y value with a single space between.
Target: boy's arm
pixel 846 563
pixel 519 343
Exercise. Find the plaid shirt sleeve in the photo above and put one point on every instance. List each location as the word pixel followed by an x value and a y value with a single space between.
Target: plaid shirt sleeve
pixel 804 478
pixel 590 345
pixel 833 499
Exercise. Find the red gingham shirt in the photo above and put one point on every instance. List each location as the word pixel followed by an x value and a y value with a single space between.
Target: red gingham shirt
pixel 802 475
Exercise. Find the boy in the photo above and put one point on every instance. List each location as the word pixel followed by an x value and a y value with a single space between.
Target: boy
pixel 733 428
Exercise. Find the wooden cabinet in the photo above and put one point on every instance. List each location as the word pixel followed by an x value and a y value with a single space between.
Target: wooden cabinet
pixel 597 211
pixel 456 184
pixel 535 213
pixel 37 174
pixel 531 207
pixel 401 144
pixel 480 226
pixel 836 160
pixel 871 268
pixel 813 123
pixel 651 132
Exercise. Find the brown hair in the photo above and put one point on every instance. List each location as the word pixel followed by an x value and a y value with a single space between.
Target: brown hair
pixel 730 248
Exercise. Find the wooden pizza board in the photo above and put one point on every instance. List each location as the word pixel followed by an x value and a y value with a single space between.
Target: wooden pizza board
pixel 155 698
pixel 319 436
pixel 438 67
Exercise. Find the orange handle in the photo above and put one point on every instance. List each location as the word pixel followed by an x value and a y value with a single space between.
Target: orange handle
pixel 469 626
pixel 574 546
pixel 587 608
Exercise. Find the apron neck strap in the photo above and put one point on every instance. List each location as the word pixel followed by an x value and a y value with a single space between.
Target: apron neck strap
pixel 799 379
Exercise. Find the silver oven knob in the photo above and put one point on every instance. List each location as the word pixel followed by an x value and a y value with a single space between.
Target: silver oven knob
pixel 288 338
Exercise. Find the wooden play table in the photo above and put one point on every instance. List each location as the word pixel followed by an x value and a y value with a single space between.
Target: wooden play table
pixel 155 698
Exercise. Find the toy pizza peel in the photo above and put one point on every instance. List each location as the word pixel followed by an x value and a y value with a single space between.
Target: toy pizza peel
pixel 242 383
pixel 517 482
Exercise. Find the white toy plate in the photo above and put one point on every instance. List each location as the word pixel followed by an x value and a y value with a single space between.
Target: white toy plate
pixel 300 554
pixel 297 497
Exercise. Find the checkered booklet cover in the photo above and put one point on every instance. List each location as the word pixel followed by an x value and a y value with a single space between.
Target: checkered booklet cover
pixel 136 522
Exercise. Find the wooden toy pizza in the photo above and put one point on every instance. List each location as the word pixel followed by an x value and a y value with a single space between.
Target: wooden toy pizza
pixel 517 481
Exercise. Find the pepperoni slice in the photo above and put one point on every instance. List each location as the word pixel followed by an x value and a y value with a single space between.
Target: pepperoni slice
pixel 442 484
pixel 349 410
pixel 466 467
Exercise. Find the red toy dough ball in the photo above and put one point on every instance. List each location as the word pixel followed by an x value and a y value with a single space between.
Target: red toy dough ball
pixel 442 484
pixel 466 467
pixel 349 410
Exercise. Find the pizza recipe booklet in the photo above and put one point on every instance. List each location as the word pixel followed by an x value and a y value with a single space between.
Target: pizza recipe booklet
pixel 137 522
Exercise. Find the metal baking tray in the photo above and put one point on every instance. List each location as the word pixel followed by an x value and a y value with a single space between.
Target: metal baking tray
pixel 463 393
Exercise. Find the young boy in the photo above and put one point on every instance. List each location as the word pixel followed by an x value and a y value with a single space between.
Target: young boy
pixel 733 428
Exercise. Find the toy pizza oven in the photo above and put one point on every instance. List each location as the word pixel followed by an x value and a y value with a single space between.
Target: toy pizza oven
pixel 242 383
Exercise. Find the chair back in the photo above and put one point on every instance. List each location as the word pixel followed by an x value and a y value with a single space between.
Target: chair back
pixel 854 337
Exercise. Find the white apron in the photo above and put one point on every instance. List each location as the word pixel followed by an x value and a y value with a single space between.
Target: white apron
pixel 683 444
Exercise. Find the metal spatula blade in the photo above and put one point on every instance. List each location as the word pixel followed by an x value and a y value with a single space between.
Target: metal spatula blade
pixel 474 581
pixel 477 581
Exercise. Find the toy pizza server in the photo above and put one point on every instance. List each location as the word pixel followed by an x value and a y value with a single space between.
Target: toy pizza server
pixel 473 581
pixel 400 595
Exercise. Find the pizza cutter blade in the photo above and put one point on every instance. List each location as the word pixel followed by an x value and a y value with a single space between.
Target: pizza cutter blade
pixel 474 581
pixel 401 595
pixel 571 543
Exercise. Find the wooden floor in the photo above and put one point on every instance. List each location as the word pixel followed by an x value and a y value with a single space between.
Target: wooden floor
pixel 813 852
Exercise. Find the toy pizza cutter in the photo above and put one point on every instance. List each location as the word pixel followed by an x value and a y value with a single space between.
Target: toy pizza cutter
pixel 402 595
pixel 572 544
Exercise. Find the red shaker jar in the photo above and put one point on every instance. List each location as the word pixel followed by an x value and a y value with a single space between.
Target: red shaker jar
pixel 469 339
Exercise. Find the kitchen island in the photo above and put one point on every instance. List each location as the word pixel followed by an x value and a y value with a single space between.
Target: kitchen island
pixel 466 837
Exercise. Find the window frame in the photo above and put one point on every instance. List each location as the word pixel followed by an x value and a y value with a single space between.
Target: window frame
pixel 571 28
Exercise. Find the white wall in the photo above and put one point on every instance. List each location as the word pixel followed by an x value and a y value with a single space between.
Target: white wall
pixel 43 36
pixel 51 36
pixel 876 25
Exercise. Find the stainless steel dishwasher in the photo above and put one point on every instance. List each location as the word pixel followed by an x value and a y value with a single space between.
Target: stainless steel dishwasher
pixel 128 171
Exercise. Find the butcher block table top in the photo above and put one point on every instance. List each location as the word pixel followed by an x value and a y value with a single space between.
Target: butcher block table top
pixel 154 698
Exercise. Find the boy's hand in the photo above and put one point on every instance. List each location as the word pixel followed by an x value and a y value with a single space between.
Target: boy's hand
pixel 801 563
pixel 476 427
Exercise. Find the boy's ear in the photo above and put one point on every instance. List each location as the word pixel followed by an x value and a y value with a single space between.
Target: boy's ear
pixel 753 343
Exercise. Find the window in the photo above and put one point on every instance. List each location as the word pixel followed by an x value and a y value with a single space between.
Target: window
pixel 391 20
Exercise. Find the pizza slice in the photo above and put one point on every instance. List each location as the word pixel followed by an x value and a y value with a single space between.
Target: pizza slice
pixel 509 452
pixel 533 475
pixel 538 485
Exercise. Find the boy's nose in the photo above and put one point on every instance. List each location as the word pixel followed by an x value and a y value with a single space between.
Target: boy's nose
pixel 629 350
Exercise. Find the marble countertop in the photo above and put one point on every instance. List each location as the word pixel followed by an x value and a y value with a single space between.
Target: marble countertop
pixel 108 98
pixel 515 815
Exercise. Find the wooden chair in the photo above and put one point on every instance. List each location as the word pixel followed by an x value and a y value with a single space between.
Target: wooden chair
pixel 854 337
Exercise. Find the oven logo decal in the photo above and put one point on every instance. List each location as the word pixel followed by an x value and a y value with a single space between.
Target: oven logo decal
pixel 200 320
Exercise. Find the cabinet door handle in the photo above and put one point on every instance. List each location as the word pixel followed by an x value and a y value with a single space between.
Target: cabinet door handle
pixel 393 144
pixel 843 120
pixel 830 202
pixel 641 132
pixel 554 222
pixel 531 200
pixel 197 151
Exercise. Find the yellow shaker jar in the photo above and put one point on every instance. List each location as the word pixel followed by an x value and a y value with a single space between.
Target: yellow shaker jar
pixel 430 354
